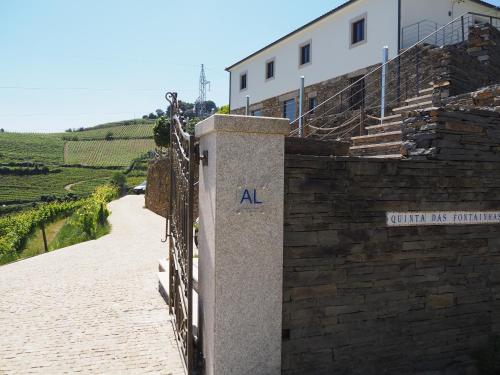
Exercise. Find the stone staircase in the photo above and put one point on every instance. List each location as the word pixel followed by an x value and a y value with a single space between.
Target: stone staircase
pixel 384 140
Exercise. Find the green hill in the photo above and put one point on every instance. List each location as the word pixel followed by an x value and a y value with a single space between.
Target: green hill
pixel 75 162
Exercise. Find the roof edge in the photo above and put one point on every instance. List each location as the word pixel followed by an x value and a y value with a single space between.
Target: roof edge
pixel 335 10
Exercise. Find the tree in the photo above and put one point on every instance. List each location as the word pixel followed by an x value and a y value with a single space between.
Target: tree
pixel 119 179
pixel 145 117
pixel 2 131
pixel 224 110
pixel 159 113
pixel 152 116
pixel 69 130
pixel 109 136
pixel 161 132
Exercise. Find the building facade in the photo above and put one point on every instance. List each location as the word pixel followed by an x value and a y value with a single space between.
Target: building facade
pixel 335 50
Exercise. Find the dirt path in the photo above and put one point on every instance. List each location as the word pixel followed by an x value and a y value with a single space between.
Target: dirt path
pixel 91 308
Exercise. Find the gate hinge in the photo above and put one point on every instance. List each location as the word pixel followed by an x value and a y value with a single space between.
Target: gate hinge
pixel 202 157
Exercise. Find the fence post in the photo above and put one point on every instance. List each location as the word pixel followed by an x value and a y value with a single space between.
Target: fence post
pixel 42 227
pixel 241 204
pixel 385 59
pixel 247 107
pixel 301 100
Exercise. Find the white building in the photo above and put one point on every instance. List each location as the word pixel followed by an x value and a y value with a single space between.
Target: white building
pixel 341 41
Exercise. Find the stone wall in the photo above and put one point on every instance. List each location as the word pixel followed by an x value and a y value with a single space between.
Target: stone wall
pixel 364 298
pixel 158 183
pixel 465 67
pixel 466 128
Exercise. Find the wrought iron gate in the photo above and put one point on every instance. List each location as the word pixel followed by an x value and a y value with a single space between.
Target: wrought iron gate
pixel 180 231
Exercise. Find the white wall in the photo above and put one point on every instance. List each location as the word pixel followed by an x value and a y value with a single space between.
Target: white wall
pixel 437 10
pixel 331 55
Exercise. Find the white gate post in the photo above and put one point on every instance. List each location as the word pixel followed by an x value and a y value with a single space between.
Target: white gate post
pixel 241 192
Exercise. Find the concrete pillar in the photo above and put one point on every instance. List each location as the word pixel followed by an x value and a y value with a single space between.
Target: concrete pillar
pixel 241 192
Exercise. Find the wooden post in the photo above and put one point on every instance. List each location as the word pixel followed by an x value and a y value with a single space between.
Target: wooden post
pixel 42 225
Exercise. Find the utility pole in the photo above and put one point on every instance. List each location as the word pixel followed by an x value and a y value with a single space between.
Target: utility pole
pixel 202 98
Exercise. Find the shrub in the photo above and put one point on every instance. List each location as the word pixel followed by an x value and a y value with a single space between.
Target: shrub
pixel 161 132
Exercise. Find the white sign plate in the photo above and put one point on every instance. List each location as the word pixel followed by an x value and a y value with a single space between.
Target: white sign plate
pixel 411 219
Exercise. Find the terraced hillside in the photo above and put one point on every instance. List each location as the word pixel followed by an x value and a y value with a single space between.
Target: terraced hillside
pixel 103 153
pixel 139 129
pixel 72 162
pixel 34 148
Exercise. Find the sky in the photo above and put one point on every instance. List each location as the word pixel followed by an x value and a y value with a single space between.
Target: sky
pixel 72 63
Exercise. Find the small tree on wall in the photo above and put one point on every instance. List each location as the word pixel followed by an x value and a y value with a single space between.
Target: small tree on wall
pixel 161 132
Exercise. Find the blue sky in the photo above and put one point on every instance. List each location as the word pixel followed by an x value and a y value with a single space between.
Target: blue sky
pixel 84 62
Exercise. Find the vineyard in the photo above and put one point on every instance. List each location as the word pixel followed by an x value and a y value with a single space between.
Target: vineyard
pixel 15 229
pixel 41 167
pixel 34 148
pixel 135 130
pixel 21 189
pixel 106 153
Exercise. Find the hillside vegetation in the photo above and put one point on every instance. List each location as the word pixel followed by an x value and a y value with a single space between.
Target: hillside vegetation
pixel 42 167
pixel 102 153
pixel 33 148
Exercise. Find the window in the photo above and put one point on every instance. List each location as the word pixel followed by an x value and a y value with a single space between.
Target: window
pixel 243 81
pixel 270 69
pixel 289 109
pixel 358 30
pixel 305 54
pixel 257 113
pixel 313 103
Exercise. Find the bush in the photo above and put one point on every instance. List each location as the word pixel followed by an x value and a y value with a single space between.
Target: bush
pixel 161 132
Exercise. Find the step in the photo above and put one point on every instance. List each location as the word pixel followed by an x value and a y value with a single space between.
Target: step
pixel 386 137
pixel 163 265
pixel 163 268
pixel 389 156
pixel 391 118
pixel 426 91
pixel 163 285
pixel 412 107
pixel 419 99
pixel 390 148
pixel 389 127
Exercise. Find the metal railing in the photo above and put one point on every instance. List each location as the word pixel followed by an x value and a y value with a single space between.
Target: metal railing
pixel 359 104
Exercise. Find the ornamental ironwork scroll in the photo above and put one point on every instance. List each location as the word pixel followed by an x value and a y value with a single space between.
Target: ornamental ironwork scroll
pixel 183 159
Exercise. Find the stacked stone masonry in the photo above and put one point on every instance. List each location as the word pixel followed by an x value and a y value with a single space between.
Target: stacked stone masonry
pixel 364 298
pixel 158 186
pixel 467 127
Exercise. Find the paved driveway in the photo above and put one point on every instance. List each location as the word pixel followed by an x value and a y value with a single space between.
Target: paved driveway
pixel 91 308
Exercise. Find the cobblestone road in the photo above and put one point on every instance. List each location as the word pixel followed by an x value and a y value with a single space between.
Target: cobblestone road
pixel 91 308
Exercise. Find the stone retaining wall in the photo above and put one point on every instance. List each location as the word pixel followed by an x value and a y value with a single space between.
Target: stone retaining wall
pixel 364 298
pixel 467 128
pixel 158 186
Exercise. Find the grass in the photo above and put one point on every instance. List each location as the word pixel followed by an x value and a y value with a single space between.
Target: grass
pixel 35 245
pixel 71 233
pixel 33 148
pixel 23 189
pixel 107 153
